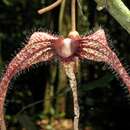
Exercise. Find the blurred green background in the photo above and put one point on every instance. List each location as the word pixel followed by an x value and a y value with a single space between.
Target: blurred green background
pixel 40 98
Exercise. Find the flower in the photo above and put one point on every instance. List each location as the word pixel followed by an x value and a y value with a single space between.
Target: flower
pixel 43 47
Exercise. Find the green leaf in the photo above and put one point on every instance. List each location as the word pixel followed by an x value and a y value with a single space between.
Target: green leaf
pixel 7 2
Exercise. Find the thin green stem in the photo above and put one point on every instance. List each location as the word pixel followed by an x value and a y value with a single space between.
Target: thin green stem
pixel 61 15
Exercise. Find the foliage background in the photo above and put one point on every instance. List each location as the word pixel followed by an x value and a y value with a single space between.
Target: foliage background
pixel 42 92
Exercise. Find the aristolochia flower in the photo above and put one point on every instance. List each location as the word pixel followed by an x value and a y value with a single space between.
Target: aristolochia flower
pixel 43 47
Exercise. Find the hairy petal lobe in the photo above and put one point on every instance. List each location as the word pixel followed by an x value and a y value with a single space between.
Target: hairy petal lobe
pixel 95 47
pixel 38 49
